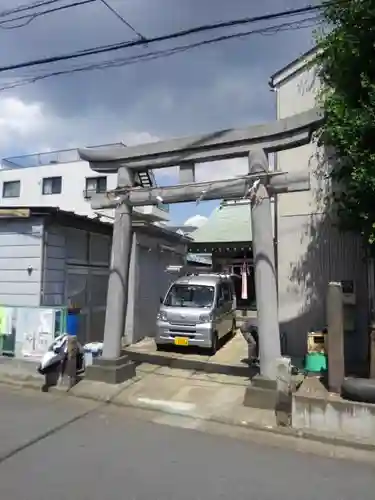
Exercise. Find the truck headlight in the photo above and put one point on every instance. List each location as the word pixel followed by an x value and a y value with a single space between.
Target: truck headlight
pixel 205 318
pixel 161 316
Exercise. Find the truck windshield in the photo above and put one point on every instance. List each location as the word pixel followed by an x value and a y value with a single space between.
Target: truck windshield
pixel 190 296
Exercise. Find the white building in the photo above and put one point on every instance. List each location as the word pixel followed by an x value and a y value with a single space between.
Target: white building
pixel 61 179
pixel 55 250
pixel 311 251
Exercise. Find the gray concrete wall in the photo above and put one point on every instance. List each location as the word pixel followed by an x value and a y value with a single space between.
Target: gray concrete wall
pixel 311 251
pixel 150 281
pixel 20 247
pixel 334 416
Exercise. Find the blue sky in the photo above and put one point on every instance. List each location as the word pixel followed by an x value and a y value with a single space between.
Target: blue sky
pixel 224 85
pixel 180 212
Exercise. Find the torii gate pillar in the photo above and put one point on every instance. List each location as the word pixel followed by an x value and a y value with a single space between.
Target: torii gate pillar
pixel 113 367
pixel 265 271
pixel 262 392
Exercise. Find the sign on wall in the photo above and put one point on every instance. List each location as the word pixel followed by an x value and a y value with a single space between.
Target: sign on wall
pixel 6 314
pixel 36 330
pixel 7 213
pixel 7 329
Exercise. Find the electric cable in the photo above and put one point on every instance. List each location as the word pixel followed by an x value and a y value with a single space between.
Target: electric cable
pixel 163 38
pixel 149 56
pixel 122 19
pixel 31 17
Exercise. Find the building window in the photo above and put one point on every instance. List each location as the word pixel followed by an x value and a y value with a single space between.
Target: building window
pixel 52 185
pixel 12 189
pixel 95 185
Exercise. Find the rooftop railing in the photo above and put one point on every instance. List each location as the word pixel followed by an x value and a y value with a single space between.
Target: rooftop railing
pixel 48 158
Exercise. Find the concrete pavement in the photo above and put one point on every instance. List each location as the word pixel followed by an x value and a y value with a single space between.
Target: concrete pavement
pixel 92 451
pixel 230 359
pixel 202 397
pixel 171 390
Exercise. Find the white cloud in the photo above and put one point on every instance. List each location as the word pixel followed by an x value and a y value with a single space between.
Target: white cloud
pixel 19 121
pixel 135 138
pixel 196 221
pixel 213 171
pixel 218 170
pixel 29 127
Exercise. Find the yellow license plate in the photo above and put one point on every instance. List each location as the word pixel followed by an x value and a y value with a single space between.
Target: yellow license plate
pixel 181 341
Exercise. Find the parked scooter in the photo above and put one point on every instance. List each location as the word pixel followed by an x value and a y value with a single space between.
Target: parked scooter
pixel 55 359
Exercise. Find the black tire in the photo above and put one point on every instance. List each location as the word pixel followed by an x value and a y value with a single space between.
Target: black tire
pixel 160 347
pixel 361 390
pixel 214 344
pixel 54 367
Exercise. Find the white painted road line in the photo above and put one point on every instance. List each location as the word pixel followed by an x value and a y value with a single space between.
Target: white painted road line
pixel 170 406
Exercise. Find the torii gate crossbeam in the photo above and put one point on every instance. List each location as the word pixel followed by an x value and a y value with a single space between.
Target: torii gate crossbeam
pixel 275 136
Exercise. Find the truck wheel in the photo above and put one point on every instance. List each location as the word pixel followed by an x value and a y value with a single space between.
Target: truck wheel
pixel 214 344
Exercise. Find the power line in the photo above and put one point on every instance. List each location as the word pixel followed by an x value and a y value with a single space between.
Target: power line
pixel 29 6
pixel 32 16
pixel 149 56
pixel 122 19
pixel 167 37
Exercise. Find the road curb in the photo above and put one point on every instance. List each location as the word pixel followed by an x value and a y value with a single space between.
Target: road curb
pixel 30 383
pixel 34 384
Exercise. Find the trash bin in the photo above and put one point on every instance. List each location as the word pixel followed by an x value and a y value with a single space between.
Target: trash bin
pixel 72 322
pixel 92 350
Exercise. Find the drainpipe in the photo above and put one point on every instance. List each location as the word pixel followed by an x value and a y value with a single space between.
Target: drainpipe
pixel 43 263
pixel 276 206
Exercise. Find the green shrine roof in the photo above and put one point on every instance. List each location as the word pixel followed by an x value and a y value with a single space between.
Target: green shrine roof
pixel 227 223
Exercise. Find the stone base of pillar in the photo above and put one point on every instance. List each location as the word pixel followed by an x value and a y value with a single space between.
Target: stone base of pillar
pixel 261 393
pixel 111 371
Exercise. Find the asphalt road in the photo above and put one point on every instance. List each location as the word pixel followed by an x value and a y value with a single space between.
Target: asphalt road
pixel 57 448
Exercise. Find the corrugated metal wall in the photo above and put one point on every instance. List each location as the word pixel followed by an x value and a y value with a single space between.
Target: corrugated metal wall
pixel 76 269
pixel 53 280
pixel 20 261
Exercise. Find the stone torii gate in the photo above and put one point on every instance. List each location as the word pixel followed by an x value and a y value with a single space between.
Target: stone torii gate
pixel 255 142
